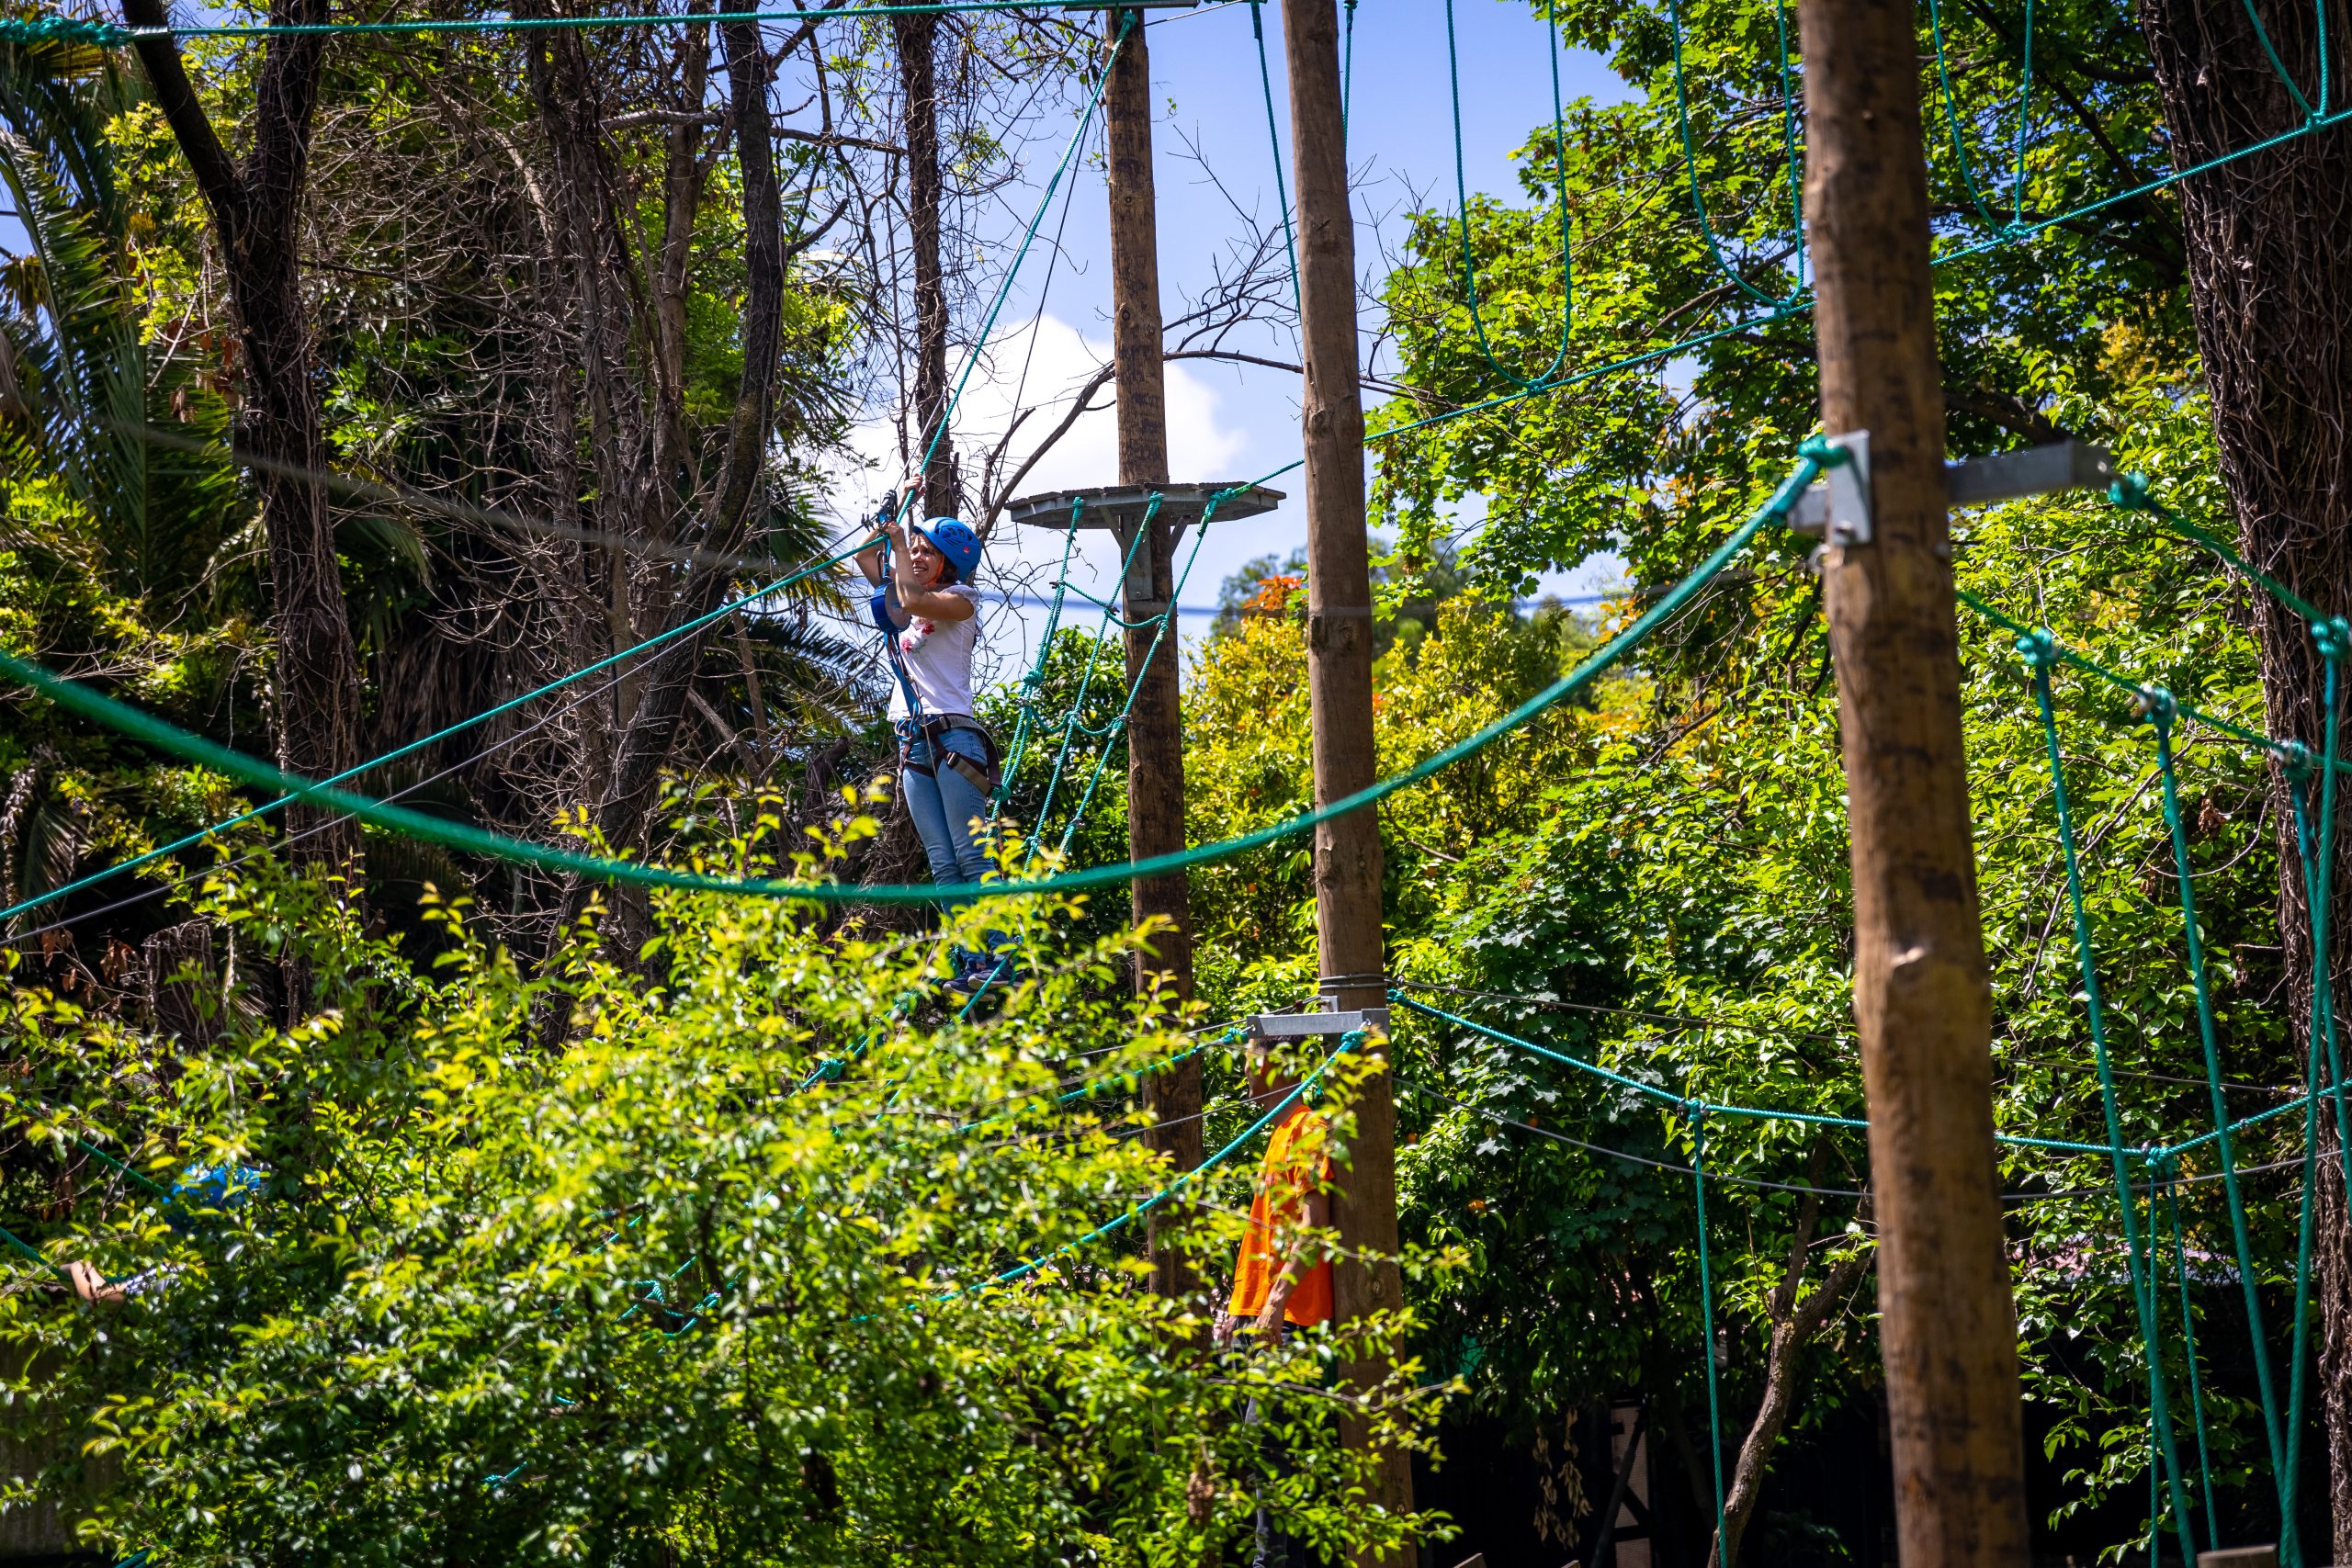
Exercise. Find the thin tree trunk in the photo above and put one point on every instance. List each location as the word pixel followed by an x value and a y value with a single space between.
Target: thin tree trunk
pixel 256 207
pixel 2269 240
pixel 918 40
pixel 1793 1326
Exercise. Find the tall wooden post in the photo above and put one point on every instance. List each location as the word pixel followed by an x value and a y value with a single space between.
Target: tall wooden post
pixel 1921 998
pixel 1339 665
pixel 1156 723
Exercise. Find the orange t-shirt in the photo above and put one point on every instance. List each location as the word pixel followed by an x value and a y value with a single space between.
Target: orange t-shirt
pixel 1298 1163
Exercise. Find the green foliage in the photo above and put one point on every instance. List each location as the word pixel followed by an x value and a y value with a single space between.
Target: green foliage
pixel 589 1266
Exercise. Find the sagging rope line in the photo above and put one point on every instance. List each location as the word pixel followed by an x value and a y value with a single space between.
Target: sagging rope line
pixel 955 400
pixel 145 727
pixel 107 35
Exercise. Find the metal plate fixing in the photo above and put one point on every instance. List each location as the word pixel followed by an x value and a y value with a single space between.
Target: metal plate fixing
pixel 1980 482
pixel 1310 1025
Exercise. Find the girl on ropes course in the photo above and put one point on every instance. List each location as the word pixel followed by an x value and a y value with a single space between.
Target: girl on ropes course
pixel 928 612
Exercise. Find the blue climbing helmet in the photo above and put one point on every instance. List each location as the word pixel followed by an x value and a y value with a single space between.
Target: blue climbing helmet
pixel 952 540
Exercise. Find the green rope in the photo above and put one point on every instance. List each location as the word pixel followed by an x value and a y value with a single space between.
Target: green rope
pixel 239 818
pixel 2161 713
pixel 1347 66
pixel 1461 200
pixel 1028 237
pixel 2286 750
pixel 1697 1114
pixel 2025 111
pixel 2332 638
pixel 2131 493
pixel 111 36
pixel 170 738
pixel 1348 1043
pixel 1751 1113
pixel 2040 651
pixel 1952 118
pixel 2189 1350
pixel 1690 163
pixel 1274 138
pixel 1031 682
pixel 35 1253
pixel 1118 726
pixel 1086 682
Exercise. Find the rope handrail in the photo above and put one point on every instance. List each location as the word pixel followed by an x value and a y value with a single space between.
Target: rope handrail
pixel 144 727
pixel 110 35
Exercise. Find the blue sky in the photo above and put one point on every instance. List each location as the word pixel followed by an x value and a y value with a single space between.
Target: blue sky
pixel 1228 423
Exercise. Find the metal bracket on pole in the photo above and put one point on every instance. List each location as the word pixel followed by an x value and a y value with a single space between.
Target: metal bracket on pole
pixel 1827 509
pixel 1313 1025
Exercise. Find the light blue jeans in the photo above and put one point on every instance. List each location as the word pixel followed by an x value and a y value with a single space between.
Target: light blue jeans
pixel 951 813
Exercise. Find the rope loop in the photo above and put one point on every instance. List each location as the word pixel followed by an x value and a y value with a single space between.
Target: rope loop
pixel 2332 637
pixel 1818 450
pixel 2039 649
pixel 2131 494
pixel 62 30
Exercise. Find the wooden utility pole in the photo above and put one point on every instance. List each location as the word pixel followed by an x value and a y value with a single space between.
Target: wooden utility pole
pixel 1338 668
pixel 1922 1001
pixel 1156 722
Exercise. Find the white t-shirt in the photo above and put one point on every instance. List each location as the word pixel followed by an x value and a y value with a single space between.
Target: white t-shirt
pixel 938 659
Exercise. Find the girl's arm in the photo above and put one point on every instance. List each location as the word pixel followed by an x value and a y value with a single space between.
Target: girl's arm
pixel 937 607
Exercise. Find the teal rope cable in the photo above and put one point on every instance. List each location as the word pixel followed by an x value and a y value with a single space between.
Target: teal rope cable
pixel 1347 66
pixel 2039 652
pixel 2322 1002
pixel 1033 682
pixel 2333 646
pixel 144 727
pixel 2189 1350
pixel 2160 717
pixel 2278 66
pixel 112 36
pixel 1698 1111
pixel 2284 751
pixel 2331 637
pixel 2131 494
pixel 1690 163
pixel 1274 138
pixel 1348 1043
pixel 1028 238
pixel 1462 200
pixel 1118 726
pixel 2025 112
pixel 1789 139
pixel 1086 682
pixel 1952 118
pixel 35 1253
pixel 240 819
pixel 1751 1113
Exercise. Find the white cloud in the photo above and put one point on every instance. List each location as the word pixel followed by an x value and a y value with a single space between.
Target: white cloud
pixel 1043 363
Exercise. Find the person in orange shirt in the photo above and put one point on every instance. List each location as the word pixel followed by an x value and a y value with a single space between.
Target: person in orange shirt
pixel 1273 1280
pixel 1276 1277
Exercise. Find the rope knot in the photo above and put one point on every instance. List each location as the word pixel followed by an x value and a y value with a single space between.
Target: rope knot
pixel 2131 493
pixel 831 1068
pixel 2157 706
pixel 2039 649
pixel 2295 762
pixel 1816 450
pixel 2332 637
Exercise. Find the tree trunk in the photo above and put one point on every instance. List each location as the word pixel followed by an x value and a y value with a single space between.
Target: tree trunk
pixel 1793 1325
pixel 918 39
pixel 2269 240
pixel 256 207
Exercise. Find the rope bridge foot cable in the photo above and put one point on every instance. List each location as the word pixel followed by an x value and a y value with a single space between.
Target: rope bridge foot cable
pixel 147 728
